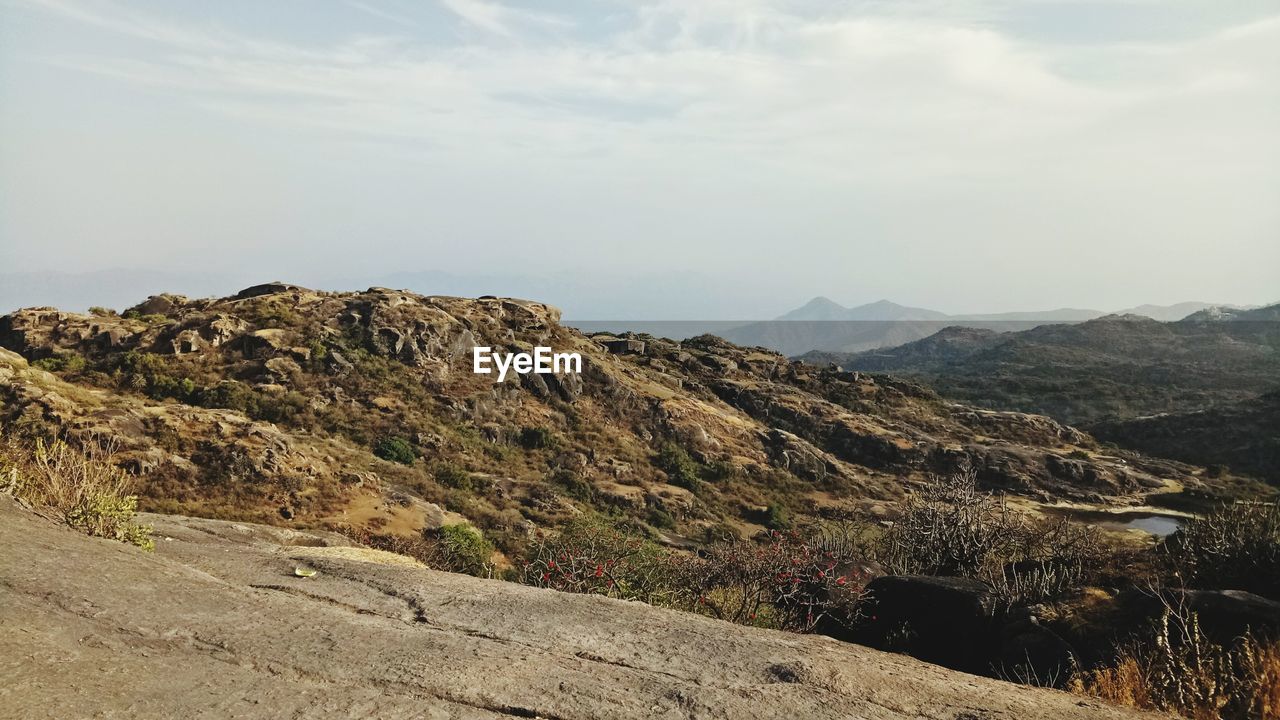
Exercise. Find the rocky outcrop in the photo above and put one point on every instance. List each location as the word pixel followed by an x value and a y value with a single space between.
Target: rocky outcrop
pixel 216 623
pixel 326 376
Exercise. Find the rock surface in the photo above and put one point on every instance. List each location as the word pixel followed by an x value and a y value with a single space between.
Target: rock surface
pixel 216 624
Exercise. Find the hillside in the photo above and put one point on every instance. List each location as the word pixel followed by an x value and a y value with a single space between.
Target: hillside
pixel 1243 436
pixel 282 404
pixel 216 624
pixel 1105 372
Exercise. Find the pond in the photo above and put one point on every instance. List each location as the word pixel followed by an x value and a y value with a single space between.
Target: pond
pixel 1148 522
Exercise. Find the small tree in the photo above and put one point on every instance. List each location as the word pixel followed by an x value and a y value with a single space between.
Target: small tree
pixel 464 549
pixel 395 449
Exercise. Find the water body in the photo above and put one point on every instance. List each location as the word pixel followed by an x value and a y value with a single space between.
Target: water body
pixel 1148 522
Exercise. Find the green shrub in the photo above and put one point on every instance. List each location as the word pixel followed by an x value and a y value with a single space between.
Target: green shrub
pixel 464 549
pixel 777 517
pixel 660 519
pixel 396 449
pixel 573 485
pixel 595 555
pixel 681 469
pixel 452 476
pixel 536 438
pixel 64 361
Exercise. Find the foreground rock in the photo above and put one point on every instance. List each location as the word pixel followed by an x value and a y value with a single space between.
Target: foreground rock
pixel 216 624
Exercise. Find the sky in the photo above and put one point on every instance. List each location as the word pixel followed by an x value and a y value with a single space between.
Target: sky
pixel 665 159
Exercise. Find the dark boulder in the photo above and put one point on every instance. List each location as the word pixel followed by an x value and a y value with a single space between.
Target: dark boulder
pixel 949 621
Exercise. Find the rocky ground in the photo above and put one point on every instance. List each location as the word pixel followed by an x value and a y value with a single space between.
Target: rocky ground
pixel 216 623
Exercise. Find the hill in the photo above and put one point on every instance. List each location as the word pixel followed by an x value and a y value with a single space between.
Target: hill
pixel 282 404
pixel 1110 370
pixel 823 325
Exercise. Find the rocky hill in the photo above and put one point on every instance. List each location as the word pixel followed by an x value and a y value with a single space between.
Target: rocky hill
pixel 287 405
pixel 217 624
pixel 1104 373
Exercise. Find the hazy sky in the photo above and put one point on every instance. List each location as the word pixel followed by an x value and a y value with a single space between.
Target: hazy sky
pixel 743 155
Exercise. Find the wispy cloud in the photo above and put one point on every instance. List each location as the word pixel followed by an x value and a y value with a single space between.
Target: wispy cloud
pixel 382 13
pixel 500 19
pixel 754 120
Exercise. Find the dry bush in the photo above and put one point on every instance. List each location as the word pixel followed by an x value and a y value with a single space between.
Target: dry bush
pixel 783 580
pixel 83 487
pixel 952 528
pixel 1235 547
pixel 1177 668
pixel 594 555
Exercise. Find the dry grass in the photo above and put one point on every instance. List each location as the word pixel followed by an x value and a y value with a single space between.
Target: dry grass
pixel 84 488
pixel 1178 669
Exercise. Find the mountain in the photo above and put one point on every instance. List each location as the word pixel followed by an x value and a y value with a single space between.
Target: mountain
pixel 1228 313
pixel 1106 372
pixel 823 325
pixel 823 309
pixel 1169 313
pixel 283 403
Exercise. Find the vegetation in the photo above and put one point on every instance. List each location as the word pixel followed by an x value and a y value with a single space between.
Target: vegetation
pixel 679 467
pixel 1175 667
pixel 1236 546
pixel 787 581
pixel 395 449
pixel 464 549
pixel 84 488
pixel 67 361
pixel 954 529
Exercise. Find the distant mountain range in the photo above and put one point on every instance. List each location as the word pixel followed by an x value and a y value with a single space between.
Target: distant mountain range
pixel 1202 389
pixel 825 325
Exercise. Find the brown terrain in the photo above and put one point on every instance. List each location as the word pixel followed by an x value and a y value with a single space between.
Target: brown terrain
pixel 269 406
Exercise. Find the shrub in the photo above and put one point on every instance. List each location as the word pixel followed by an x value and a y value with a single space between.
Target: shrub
pixel 594 555
pixel 574 485
pixel 395 449
pixel 99 311
pixel 777 517
pixel 681 470
pixel 782 580
pixel 660 519
pixel 1235 547
pixel 86 489
pixel 452 476
pixel 64 361
pixel 536 438
pixel 464 549
pixel 954 529
pixel 1176 668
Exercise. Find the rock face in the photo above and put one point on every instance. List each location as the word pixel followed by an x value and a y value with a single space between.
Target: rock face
pixel 215 624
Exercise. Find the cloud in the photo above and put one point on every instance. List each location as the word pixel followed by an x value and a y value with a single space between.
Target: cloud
pixel 499 19
pixel 722 130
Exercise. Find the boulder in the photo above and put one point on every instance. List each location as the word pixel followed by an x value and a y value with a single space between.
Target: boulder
pixel 1031 652
pixel 945 620
pixel 624 346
